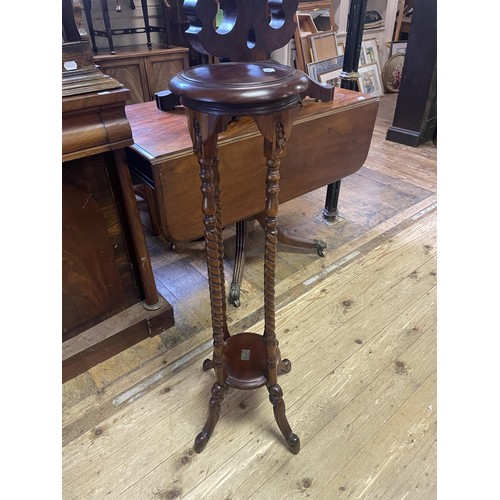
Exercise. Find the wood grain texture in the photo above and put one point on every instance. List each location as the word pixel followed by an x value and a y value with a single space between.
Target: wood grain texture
pixel 94 123
pixel 163 153
pixel 358 325
pixel 106 266
pixel 143 71
pixel 397 307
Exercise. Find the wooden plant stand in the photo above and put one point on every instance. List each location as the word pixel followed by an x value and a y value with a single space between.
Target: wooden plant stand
pixel 245 360
pixel 250 84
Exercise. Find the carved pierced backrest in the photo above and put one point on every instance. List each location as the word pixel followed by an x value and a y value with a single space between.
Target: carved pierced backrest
pixel 250 30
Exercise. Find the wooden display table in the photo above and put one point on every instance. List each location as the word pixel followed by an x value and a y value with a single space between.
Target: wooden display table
pixel 329 141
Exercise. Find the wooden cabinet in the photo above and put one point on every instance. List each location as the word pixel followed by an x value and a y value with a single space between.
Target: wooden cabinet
pixel 415 116
pixel 144 71
pixel 109 296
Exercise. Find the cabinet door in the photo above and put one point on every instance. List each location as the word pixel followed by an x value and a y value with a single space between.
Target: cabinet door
pixel 131 73
pixel 161 68
pixel 97 279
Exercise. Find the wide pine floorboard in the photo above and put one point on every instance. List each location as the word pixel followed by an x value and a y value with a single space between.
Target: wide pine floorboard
pixel 359 326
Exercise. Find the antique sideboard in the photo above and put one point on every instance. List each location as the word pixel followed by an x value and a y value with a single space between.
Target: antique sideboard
pixel 109 297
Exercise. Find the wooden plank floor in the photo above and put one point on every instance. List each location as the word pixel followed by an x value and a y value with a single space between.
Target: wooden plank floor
pixel 358 325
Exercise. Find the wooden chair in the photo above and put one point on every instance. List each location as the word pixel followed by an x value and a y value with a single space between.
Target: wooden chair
pixel 245 83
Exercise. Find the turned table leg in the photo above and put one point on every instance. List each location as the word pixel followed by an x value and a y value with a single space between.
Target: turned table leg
pixel 204 131
pixel 239 262
pixel 274 132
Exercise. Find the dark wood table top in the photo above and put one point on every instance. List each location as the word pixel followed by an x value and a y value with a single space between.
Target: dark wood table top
pixel 160 135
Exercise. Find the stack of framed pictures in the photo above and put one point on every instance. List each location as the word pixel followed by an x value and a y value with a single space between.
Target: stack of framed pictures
pixel 314 26
pixel 327 58
pixel 369 80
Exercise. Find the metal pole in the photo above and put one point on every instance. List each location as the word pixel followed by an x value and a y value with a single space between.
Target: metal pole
pixel 355 23
pixel 349 80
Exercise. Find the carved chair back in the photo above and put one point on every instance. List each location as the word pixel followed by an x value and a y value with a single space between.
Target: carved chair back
pixel 249 30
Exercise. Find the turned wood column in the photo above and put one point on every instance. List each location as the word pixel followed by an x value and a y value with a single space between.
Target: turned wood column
pixel 275 128
pixel 152 300
pixel 204 131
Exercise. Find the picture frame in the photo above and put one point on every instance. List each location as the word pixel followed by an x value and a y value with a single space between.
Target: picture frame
pixel 323 45
pixel 369 48
pixel 393 72
pixel 305 24
pixel 314 69
pixel 341 39
pixel 369 81
pixel 331 77
pixel 362 57
pixel 399 47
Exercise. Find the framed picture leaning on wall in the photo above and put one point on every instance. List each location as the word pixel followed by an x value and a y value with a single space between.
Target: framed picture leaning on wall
pixel 392 72
pixel 369 80
pixel 340 43
pixel 398 47
pixel 323 45
pixel 370 52
pixel 317 68
pixel 331 77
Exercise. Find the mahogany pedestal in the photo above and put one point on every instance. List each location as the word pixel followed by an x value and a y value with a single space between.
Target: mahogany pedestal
pixel 269 93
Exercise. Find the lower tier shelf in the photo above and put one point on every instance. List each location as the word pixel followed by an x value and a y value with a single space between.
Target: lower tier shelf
pixel 245 360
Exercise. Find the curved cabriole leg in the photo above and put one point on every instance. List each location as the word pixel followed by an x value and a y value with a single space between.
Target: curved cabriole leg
pixel 275 129
pixel 276 398
pixel 288 239
pixel 293 241
pixel 214 405
pixel 284 365
pixel 204 131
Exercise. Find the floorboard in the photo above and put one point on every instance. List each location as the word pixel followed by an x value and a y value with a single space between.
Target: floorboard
pixel 359 326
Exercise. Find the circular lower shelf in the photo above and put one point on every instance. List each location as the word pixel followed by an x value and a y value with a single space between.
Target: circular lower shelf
pixel 245 360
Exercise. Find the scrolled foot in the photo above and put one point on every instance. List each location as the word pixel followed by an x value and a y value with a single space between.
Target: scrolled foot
pixel 234 295
pixel 276 398
pixel 208 364
pixel 285 366
pixel 202 438
pixel 320 247
pixel 293 443
pixel 200 442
